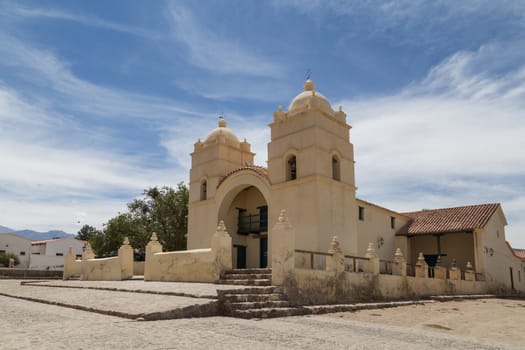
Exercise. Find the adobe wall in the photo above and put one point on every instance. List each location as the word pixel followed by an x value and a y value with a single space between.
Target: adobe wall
pixel 196 265
pixel 310 287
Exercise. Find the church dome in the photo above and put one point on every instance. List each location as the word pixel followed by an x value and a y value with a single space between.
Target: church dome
pixel 310 99
pixel 222 134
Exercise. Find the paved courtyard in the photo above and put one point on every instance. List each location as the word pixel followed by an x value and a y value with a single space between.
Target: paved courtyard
pixel 32 325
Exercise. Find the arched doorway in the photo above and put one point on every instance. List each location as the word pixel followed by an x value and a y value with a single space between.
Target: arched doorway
pixel 243 206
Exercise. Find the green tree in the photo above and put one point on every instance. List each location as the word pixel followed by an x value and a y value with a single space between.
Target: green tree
pixel 86 232
pixel 162 210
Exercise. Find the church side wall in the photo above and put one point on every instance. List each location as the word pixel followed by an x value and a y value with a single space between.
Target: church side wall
pixel 376 228
pixel 498 257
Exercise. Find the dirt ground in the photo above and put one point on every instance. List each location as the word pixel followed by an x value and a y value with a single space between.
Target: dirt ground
pixel 493 319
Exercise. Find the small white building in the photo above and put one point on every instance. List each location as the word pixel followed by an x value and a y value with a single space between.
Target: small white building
pixel 17 245
pixel 49 254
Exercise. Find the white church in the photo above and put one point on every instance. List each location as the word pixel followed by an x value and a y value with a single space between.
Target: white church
pixel 310 173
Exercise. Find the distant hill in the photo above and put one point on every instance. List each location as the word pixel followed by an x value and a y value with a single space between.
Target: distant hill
pixel 4 229
pixel 35 235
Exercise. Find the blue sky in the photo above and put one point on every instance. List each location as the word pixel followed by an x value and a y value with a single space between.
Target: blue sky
pixel 100 100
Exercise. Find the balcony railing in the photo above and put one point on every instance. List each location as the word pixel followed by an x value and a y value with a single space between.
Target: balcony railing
pixel 255 223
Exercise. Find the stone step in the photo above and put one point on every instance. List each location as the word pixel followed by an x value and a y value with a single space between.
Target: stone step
pixel 250 270
pixel 247 276
pixel 251 290
pixel 247 282
pixel 271 312
pixel 256 305
pixel 237 298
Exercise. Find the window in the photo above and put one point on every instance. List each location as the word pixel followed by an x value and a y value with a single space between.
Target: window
pixel 22 253
pixel 60 254
pixel 392 222
pixel 2 251
pixel 361 213
pixel 78 256
pixel 336 169
pixel 204 190
pixel 497 233
pixel 291 168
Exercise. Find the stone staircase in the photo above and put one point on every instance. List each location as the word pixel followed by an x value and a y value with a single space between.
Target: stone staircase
pixel 258 300
pixel 247 277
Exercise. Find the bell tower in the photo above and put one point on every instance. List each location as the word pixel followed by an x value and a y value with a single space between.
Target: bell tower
pixel 211 160
pixel 311 169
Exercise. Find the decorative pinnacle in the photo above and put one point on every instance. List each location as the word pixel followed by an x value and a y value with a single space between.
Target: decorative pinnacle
pixel 222 122
pixel 154 237
pixel 221 227
pixel 370 251
pixel 399 253
pixel 334 245
pixel 126 241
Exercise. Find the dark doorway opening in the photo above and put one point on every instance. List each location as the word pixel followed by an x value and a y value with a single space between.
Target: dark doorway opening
pixel 263 244
pixel 241 256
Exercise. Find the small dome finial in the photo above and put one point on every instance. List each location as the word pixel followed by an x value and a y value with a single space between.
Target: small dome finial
pixel 222 122
pixel 309 85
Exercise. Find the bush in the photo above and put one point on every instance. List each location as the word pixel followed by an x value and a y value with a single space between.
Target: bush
pixel 4 259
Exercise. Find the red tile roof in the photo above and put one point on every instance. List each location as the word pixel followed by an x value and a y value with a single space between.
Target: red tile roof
pixel 448 220
pixel 258 169
pixel 520 253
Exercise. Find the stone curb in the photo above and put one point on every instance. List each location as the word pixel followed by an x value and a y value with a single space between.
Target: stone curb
pixel 463 297
pixel 323 309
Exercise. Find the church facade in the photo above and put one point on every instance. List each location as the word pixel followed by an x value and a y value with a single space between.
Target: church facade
pixel 310 173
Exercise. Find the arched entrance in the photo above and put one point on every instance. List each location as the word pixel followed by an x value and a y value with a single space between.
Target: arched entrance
pixel 243 206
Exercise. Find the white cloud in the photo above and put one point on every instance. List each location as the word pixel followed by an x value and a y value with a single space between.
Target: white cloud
pixel 454 138
pixel 45 71
pixel 54 167
pixel 91 21
pixel 45 182
pixel 217 54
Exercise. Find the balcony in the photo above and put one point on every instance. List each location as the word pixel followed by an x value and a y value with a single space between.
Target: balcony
pixel 255 223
